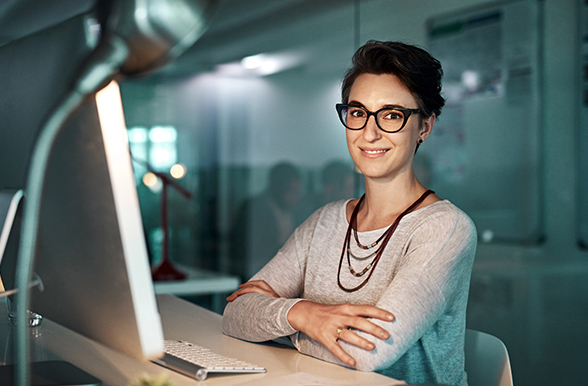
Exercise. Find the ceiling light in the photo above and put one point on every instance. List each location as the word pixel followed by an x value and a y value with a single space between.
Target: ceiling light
pixel 253 62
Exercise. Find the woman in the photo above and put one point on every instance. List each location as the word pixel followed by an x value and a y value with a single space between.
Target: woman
pixel 378 283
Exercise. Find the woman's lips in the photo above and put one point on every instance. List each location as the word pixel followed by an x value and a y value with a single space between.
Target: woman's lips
pixel 373 153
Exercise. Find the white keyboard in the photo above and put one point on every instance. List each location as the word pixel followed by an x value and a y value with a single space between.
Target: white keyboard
pixel 197 361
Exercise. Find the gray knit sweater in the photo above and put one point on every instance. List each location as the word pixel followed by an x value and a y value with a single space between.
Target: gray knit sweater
pixel 422 278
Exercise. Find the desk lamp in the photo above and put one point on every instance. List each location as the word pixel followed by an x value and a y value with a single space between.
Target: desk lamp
pixel 139 36
pixel 165 270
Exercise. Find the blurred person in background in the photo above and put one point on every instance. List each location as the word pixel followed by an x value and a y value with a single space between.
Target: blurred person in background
pixel 265 222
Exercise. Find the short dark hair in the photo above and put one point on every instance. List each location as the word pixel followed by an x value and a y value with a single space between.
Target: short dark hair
pixel 415 68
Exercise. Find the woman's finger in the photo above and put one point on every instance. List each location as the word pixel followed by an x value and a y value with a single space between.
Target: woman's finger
pixel 258 283
pixel 351 337
pixel 334 347
pixel 262 285
pixel 368 312
pixel 258 286
pixel 365 325
pixel 246 290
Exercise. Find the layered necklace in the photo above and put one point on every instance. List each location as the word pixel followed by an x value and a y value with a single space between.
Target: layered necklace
pixel 379 244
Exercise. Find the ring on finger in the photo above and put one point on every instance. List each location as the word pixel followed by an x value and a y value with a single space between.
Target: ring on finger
pixel 339 331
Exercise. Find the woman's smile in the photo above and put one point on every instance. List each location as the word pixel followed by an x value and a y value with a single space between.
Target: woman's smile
pixel 373 152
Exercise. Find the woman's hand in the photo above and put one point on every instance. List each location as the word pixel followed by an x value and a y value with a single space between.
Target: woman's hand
pixel 257 286
pixel 328 324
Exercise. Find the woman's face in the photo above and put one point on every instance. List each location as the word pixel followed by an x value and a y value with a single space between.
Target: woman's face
pixel 378 154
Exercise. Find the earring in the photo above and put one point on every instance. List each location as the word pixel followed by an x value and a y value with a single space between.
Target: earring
pixel 420 140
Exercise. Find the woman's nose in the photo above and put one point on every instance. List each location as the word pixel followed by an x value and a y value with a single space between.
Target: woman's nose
pixel 371 131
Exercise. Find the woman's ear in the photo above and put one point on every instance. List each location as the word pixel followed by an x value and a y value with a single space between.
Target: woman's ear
pixel 427 126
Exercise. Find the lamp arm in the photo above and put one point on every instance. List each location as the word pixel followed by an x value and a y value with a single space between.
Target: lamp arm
pixel 166 180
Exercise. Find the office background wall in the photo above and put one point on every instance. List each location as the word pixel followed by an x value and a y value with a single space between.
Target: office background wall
pixel 234 125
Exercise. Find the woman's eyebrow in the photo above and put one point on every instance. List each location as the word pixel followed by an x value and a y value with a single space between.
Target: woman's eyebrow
pixel 356 103
pixel 393 107
pixel 388 106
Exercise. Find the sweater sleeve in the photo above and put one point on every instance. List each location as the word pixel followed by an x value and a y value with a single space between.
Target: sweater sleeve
pixel 256 317
pixel 434 271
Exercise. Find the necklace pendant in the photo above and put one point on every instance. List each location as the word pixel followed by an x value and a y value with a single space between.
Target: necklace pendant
pixel 366 269
pixel 370 246
pixel 363 272
pixel 356 274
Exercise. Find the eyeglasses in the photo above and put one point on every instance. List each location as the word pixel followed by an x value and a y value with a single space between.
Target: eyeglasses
pixel 390 120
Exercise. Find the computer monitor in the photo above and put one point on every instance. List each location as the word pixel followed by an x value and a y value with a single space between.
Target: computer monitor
pixel 91 253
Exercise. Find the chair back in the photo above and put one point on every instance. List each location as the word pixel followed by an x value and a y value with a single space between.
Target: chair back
pixel 486 360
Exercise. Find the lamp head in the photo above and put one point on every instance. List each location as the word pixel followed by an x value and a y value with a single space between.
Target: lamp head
pixel 156 31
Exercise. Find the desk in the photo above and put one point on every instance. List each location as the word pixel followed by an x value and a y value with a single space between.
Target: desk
pixel 200 282
pixel 184 320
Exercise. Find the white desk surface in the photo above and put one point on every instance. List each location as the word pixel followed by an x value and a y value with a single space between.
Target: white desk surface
pixel 184 320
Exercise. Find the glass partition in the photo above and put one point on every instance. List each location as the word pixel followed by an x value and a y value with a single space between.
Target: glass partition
pixel 485 150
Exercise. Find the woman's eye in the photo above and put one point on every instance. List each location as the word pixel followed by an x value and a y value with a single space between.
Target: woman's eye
pixel 356 113
pixel 393 115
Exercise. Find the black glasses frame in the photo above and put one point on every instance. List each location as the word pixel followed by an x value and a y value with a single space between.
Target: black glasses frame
pixel 407 114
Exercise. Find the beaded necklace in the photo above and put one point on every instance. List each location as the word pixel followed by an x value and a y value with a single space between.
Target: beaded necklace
pixel 384 238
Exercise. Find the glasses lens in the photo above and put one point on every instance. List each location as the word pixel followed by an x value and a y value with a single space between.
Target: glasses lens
pixel 391 120
pixel 353 117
